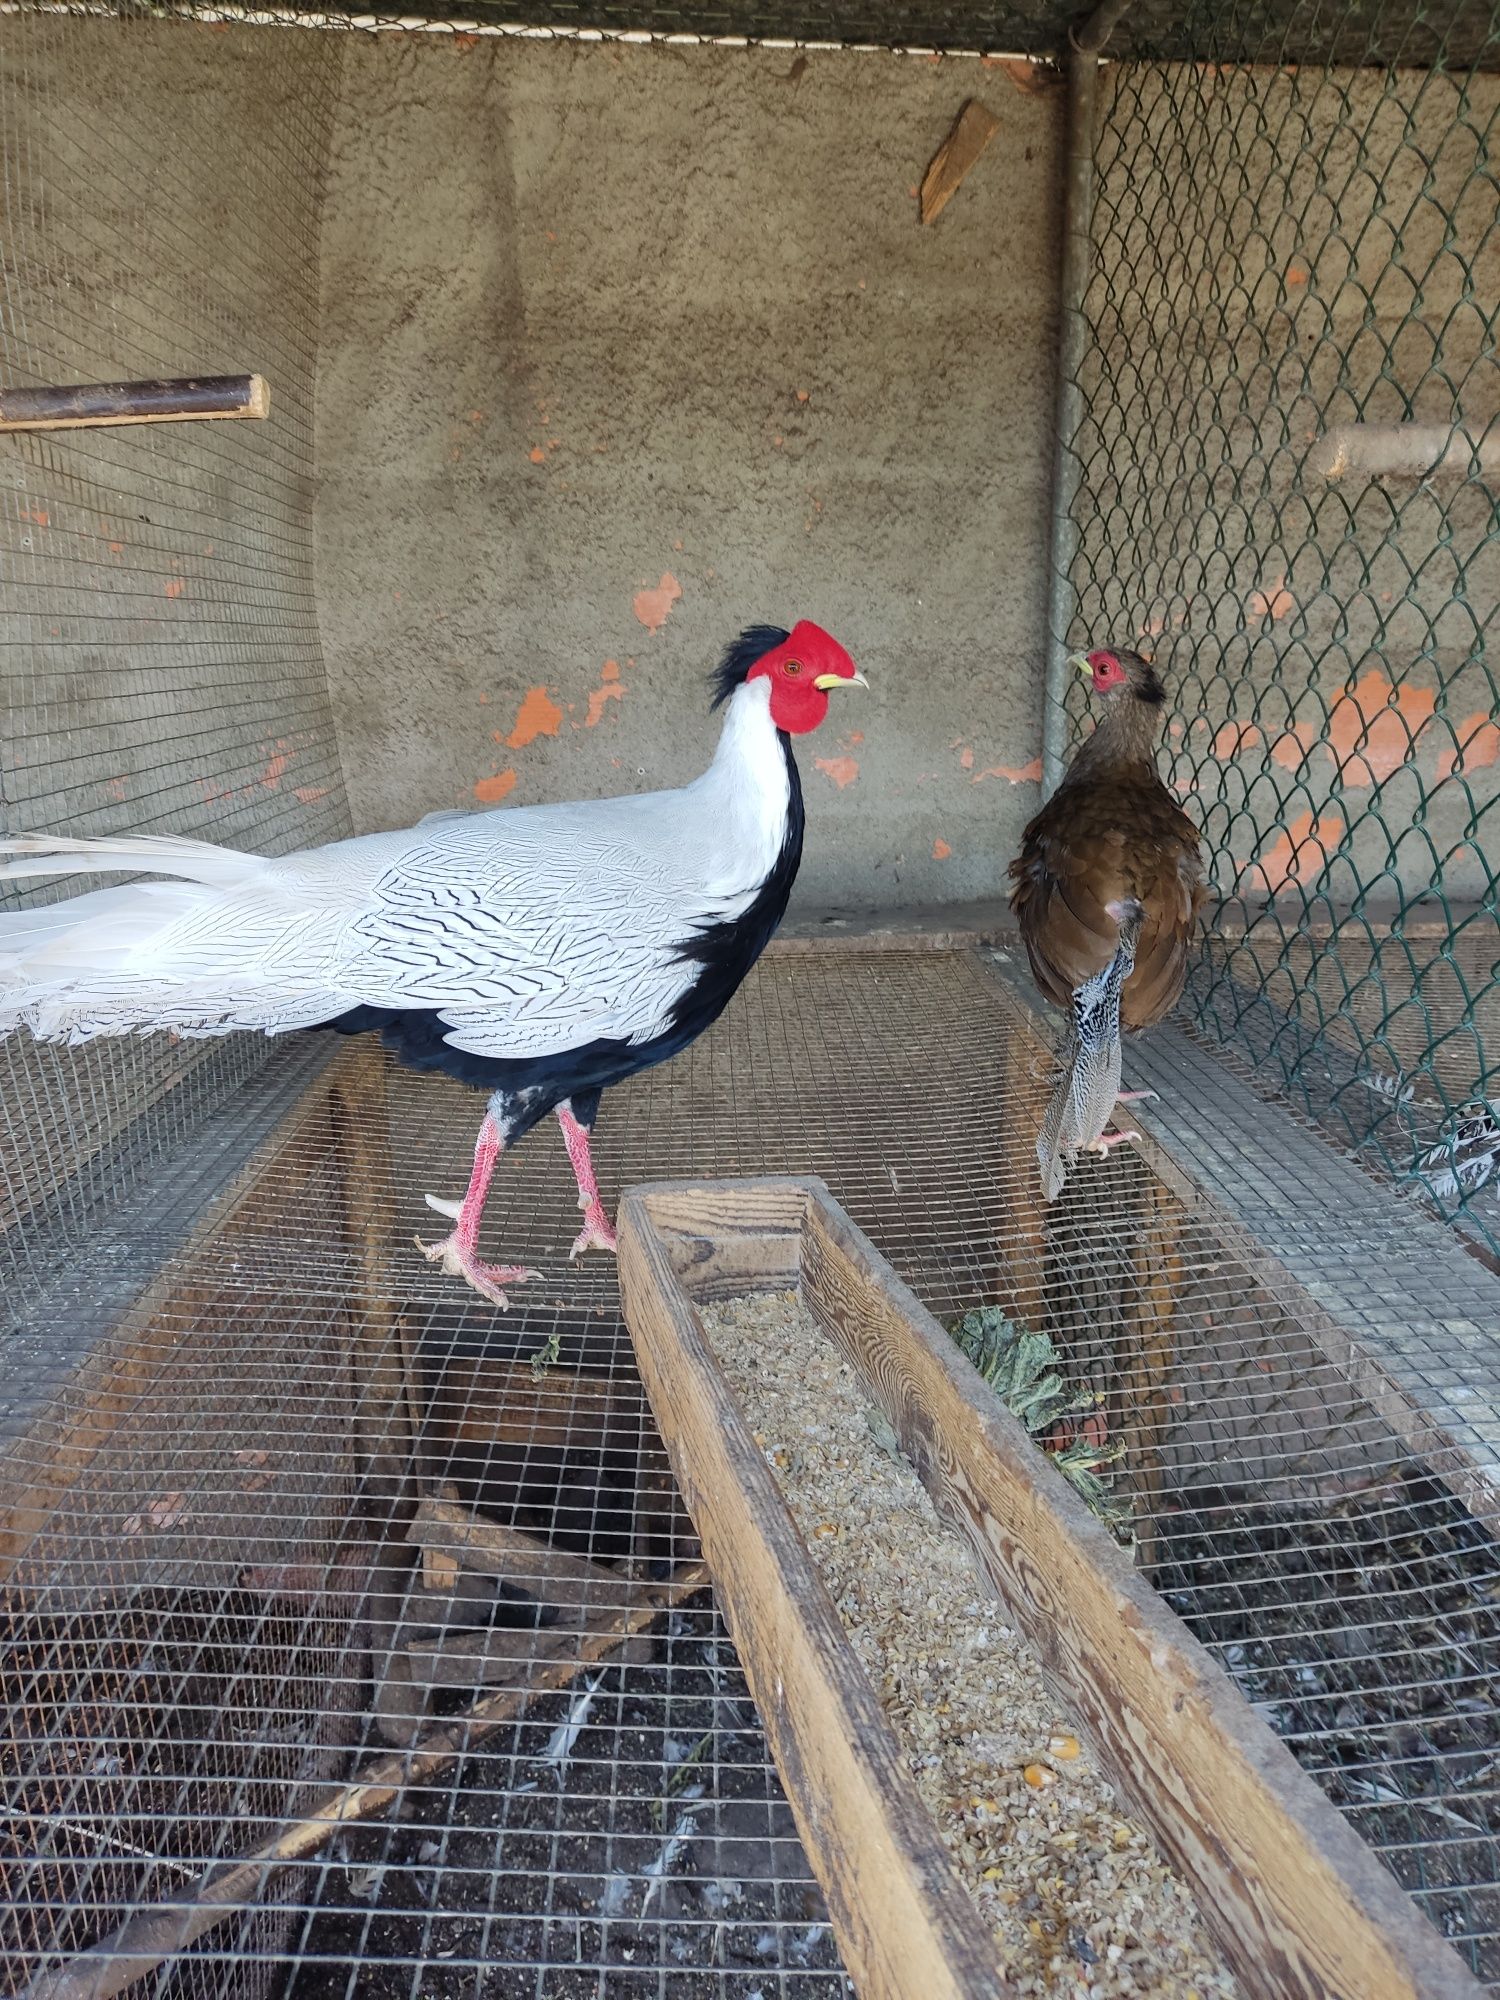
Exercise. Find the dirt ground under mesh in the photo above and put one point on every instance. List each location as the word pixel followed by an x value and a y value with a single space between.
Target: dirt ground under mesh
pixel 653 1850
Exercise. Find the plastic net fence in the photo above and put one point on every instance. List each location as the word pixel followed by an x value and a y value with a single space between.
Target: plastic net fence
pixel 1287 461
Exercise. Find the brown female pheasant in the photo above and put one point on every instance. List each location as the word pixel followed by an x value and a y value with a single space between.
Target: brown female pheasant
pixel 1108 885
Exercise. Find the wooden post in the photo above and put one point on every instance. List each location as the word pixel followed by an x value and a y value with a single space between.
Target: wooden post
pixel 378 1351
pixel 1148 1352
pixel 97 405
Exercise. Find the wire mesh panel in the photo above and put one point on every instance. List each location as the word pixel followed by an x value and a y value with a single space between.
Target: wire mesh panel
pixel 1287 461
pixel 553 1774
pixel 160 670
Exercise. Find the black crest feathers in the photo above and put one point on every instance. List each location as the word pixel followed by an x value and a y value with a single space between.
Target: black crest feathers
pixel 740 656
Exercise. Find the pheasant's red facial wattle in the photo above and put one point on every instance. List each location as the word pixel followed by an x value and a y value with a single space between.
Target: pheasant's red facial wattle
pixel 802 672
pixel 1107 671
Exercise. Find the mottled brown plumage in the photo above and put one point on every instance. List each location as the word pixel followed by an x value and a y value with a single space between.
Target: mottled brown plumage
pixel 1112 833
pixel 1110 838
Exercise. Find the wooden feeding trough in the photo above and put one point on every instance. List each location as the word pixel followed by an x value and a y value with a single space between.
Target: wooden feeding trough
pixel 1295 1901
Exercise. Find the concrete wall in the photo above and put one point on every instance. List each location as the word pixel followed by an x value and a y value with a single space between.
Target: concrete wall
pixel 625 348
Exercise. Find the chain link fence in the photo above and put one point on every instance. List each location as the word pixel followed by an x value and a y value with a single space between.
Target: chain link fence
pixel 1287 470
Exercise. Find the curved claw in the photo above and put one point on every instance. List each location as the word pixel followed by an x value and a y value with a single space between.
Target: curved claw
pixel 458 1260
pixel 597 1233
pixel 1108 1140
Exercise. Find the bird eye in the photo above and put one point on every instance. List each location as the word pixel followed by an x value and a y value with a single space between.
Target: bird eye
pixel 791 667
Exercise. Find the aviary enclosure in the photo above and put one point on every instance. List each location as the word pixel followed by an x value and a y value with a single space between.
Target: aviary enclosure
pixel 358 1639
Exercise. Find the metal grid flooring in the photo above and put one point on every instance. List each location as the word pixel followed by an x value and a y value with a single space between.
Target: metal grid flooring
pixel 629 1827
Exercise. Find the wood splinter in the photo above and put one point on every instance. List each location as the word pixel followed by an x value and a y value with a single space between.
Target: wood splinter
pixel 97 405
pixel 972 131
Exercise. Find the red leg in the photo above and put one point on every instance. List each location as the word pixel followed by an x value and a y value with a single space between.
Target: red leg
pixel 458 1252
pixel 598 1231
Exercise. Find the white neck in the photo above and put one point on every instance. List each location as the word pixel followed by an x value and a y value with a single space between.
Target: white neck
pixel 747 786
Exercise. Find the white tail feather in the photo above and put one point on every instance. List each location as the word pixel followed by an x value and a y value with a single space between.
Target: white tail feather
pixel 80 967
pixel 34 854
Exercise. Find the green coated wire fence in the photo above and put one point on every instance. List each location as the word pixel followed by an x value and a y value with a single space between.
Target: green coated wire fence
pixel 1288 466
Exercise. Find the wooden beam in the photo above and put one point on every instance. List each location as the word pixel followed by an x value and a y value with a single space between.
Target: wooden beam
pixel 383 1366
pixel 552 1575
pixel 972 131
pixel 1147 1360
pixel 99 405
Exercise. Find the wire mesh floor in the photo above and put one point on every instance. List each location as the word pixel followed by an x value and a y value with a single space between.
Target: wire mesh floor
pixel 190 1603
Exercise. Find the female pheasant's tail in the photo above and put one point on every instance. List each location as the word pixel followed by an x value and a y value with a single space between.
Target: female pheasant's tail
pixel 1085 1096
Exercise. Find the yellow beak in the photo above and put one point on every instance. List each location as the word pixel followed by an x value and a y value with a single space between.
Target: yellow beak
pixel 1080 664
pixel 826 681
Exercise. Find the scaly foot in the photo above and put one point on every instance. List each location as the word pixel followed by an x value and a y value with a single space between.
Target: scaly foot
pixel 597 1233
pixel 1135 1096
pixel 459 1259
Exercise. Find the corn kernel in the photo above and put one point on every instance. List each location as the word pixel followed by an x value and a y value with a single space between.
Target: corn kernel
pixel 1039 1777
pixel 1064 1747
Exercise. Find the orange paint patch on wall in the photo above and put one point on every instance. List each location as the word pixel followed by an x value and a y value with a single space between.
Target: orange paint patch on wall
pixel 1277 602
pixel 1478 747
pixel 175 587
pixel 611 688
pixel 38 516
pixel 1299 854
pixel 116 787
pixel 539 715
pixel 842 770
pixel 537 455
pixel 275 769
pixel 1233 738
pixel 966 759
pixel 490 791
pixel 1025 774
pixel 654 607
pixel 941 851
pixel 1370 734
pixel 308 795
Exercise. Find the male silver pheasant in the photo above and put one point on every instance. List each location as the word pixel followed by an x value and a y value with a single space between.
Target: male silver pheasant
pixel 540 953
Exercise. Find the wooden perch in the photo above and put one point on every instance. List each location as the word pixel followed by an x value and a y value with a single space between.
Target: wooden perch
pixel 95 405
pixel 1405 451
pixel 551 1575
pixel 153 1935
pixel 972 131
